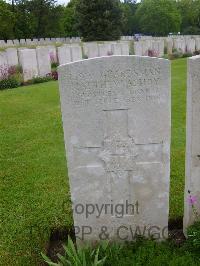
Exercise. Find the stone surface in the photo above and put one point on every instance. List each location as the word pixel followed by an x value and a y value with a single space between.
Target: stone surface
pixel 190 45
pixel 3 65
pixel 192 181
pixel 125 48
pixel 91 49
pixel 43 59
pixel 180 45
pixel 116 49
pixel 64 54
pixel 76 53
pixel 116 117
pixel 52 53
pixel 105 49
pixel 28 62
pixel 12 56
pixel 138 48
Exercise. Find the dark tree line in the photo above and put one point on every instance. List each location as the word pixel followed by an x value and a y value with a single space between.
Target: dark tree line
pixel 97 19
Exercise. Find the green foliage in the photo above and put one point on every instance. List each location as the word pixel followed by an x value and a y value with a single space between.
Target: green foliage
pixel 79 256
pixel 190 13
pixel 38 18
pixel 193 242
pixel 99 20
pixel 129 20
pixel 69 19
pixel 40 80
pixel 140 253
pixel 7 20
pixel 9 83
pixel 158 17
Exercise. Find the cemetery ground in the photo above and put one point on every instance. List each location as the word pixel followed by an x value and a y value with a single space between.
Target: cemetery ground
pixel 35 195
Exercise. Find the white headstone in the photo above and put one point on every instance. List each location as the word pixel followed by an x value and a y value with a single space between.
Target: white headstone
pixel 76 53
pixel 52 53
pixel 10 43
pixel 116 49
pixel 192 181
pixel 138 48
pixel 29 63
pixel 91 49
pixel 64 54
pixel 12 56
pixel 125 48
pixel 105 49
pixel 22 41
pixel 2 43
pixel 197 46
pixel 190 45
pixel 43 59
pixel 116 116
pixel 16 42
pixel 3 65
pixel 180 45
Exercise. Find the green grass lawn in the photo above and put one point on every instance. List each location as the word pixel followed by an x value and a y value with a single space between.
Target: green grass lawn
pixel 34 187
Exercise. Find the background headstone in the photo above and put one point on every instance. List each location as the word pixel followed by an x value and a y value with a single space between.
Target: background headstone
pixel 43 59
pixel 64 54
pixel 116 118
pixel 12 56
pixel 76 53
pixel 192 181
pixel 3 65
pixel 28 62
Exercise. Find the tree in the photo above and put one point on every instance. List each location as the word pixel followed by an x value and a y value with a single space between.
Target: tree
pixel 130 25
pixel 39 18
pixel 158 17
pixel 190 12
pixel 7 20
pixel 99 20
pixel 70 19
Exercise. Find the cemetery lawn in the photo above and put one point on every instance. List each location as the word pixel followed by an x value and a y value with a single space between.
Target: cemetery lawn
pixel 34 187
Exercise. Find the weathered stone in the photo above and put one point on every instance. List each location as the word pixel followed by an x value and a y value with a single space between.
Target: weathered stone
pixel 91 49
pixel 192 181
pixel 169 46
pixel 16 42
pixel 3 65
pixel 190 45
pixel 125 48
pixel 52 53
pixel 138 48
pixel 43 59
pixel 22 41
pixel 10 43
pixel 29 65
pixel 116 116
pixel 116 49
pixel 180 45
pixel 12 56
pixel 64 54
pixel 197 44
pixel 105 49
pixel 2 43
pixel 76 53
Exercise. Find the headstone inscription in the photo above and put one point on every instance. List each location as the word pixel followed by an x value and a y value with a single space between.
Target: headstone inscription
pixel 116 118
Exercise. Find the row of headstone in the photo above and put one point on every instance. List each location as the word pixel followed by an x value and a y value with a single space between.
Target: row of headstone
pixel 37 62
pixel 117 126
pixel 149 48
pixel 68 53
pixel 41 41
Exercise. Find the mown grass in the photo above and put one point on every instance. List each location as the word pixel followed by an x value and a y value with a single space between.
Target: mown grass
pixel 34 186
